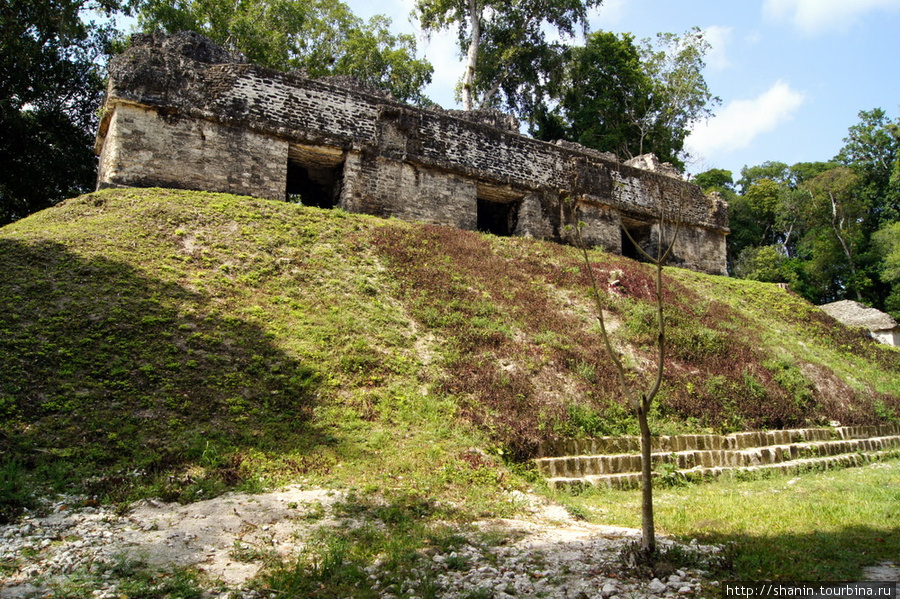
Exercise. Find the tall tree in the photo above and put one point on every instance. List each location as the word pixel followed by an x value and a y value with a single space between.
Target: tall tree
pixel 835 235
pixel 680 96
pixel 505 43
pixel 604 86
pixel 322 37
pixel 631 99
pixel 872 150
pixel 51 86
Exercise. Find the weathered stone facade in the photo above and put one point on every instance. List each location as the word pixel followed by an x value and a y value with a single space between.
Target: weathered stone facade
pixel 181 112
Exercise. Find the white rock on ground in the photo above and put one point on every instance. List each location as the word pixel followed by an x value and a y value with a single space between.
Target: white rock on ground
pixel 552 555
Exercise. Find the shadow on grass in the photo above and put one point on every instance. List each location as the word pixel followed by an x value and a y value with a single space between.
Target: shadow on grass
pixel 836 555
pixel 110 375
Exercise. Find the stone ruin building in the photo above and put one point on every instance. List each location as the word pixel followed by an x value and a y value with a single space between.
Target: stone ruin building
pixel 181 112
pixel 881 326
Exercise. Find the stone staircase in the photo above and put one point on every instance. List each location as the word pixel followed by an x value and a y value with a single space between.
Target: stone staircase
pixel 616 461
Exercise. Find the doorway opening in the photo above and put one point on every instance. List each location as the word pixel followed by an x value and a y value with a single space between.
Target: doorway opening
pixel 314 176
pixel 642 234
pixel 498 218
pixel 498 209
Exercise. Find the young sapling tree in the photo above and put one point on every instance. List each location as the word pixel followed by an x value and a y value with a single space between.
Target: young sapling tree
pixel 638 393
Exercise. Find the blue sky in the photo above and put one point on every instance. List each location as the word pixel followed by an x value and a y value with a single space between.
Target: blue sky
pixel 792 74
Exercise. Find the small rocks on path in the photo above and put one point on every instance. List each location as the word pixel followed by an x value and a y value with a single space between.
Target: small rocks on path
pixel 549 554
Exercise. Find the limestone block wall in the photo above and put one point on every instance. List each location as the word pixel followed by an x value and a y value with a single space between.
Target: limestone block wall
pixel 384 187
pixel 698 249
pixel 602 225
pixel 168 151
pixel 181 112
pixel 538 215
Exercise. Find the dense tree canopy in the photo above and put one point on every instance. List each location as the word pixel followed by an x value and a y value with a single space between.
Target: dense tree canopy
pixel 322 37
pixel 887 249
pixel 616 96
pixel 51 85
pixel 828 229
pixel 509 56
pixel 604 87
pixel 716 180
pixel 872 150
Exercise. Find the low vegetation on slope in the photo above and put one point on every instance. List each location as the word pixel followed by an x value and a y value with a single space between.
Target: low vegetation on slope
pixel 179 343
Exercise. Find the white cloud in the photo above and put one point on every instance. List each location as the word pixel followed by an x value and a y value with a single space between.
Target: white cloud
pixel 718 37
pixel 742 121
pixel 817 16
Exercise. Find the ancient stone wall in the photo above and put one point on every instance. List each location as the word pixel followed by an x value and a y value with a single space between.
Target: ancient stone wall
pixel 181 112
pixel 155 149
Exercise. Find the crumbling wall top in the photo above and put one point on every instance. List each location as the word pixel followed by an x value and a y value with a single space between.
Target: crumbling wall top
pixel 490 117
pixel 354 84
pixel 188 44
pixel 649 162
pixel 577 147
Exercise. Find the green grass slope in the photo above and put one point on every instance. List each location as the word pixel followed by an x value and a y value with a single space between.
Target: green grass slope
pixel 179 343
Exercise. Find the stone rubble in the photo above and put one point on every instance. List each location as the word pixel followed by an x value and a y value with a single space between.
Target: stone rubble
pixel 546 555
pixel 588 568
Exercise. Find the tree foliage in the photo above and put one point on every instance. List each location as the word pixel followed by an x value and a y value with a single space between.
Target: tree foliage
pixel 718 180
pixel 887 247
pixel 630 99
pixel 872 150
pixel 679 97
pixel 605 85
pixel 765 263
pixel 51 85
pixel 509 57
pixel 322 37
pixel 825 228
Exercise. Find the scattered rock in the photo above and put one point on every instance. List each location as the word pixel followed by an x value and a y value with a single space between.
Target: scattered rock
pixel 228 538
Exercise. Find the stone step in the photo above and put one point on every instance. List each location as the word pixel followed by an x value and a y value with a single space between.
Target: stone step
pixel 733 441
pixel 629 480
pixel 592 465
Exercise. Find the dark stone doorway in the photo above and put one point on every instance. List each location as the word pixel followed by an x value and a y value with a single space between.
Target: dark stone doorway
pixel 313 178
pixel 642 234
pixel 499 218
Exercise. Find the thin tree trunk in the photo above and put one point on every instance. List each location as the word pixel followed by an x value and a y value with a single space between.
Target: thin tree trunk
pixel 640 402
pixel 787 240
pixel 837 226
pixel 472 55
pixel 648 530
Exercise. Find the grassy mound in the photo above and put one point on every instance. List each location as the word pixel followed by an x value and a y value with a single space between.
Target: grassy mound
pixel 177 343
